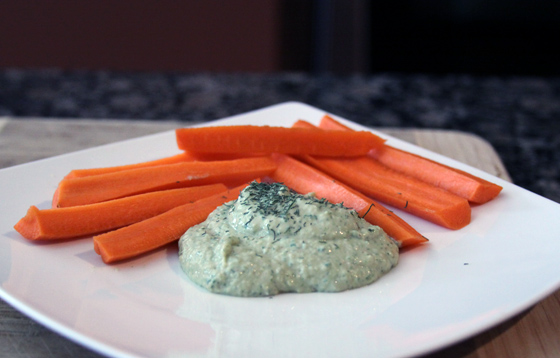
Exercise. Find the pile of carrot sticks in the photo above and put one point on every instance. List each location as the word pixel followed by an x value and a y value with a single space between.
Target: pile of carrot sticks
pixel 134 209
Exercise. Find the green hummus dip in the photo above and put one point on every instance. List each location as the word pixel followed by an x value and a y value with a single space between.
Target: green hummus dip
pixel 272 240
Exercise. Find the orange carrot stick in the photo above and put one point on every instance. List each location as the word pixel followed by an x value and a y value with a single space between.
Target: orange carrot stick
pixel 468 186
pixel 379 182
pixel 98 188
pixel 178 158
pixel 305 179
pixel 328 122
pixel 208 157
pixel 266 139
pixel 155 232
pixel 84 220
pixel 401 191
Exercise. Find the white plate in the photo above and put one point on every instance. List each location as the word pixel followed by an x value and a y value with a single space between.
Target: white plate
pixel 459 284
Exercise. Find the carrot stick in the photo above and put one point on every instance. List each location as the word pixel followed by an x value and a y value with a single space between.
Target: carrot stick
pixel 84 220
pixel 468 186
pixel 178 158
pixel 328 122
pixel 305 179
pixel 98 188
pixel 266 139
pixel 379 182
pixel 401 191
pixel 155 232
pixel 208 157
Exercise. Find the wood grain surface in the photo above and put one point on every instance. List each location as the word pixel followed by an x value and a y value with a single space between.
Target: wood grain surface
pixel 533 333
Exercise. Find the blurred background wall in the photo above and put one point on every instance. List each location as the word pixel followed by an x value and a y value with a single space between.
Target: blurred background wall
pixel 337 36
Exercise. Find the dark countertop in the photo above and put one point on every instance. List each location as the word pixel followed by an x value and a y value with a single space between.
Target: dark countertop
pixel 519 116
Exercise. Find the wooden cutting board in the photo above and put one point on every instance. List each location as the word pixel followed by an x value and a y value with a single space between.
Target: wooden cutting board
pixel 532 334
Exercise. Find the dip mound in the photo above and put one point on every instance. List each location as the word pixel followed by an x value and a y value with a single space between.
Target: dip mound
pixel 272 240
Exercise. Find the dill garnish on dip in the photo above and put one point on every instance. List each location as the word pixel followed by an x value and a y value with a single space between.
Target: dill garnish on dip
pixel 272 240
